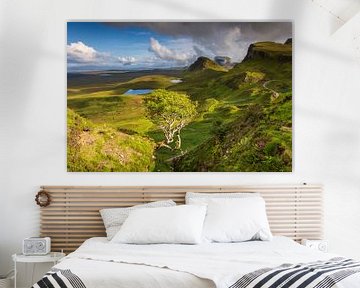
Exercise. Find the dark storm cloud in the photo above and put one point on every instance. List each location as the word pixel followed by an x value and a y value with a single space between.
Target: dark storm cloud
pixel 219 38
pixel 208 29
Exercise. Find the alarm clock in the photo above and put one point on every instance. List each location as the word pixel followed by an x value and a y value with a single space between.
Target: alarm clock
pixel 36 246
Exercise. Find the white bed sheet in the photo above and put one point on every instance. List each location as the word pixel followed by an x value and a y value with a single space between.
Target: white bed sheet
pixel 100 263
pixel 101 274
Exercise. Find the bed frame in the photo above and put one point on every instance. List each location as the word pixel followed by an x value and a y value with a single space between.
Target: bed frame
pixel 73 215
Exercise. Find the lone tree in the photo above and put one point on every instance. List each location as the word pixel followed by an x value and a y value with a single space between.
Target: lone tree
pixel 170 111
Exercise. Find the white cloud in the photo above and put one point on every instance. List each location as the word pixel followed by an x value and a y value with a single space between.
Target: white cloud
pixel 127 60
pixel 165 53
pixel 81 53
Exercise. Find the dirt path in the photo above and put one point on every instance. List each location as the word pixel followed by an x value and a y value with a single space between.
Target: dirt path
pixel 171 159
pixel 275 94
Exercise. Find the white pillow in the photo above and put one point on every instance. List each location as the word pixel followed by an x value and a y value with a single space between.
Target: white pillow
pixel 204 198
pixel 173 225
pixel 236 220
pixel 113 218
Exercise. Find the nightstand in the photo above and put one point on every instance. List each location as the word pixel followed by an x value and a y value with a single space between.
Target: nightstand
pixel 52 257
pixel 320 245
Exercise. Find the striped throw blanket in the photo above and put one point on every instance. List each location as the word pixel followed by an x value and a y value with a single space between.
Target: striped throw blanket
pixel 320 274
pixel 57 278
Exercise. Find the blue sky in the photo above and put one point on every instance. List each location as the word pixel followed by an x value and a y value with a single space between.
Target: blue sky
pixel 145 45
pixel 128 41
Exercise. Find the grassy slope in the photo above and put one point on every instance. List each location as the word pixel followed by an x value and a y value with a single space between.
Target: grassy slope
pixel 124 113
pixel 256 136
pixel 258 140
pixel 99 148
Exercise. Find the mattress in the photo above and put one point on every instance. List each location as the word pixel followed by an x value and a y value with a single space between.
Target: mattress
pixel 99 263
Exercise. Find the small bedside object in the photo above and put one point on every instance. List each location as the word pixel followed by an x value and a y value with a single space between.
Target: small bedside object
pixel 320 245
pixel 52 257
pixel 36 246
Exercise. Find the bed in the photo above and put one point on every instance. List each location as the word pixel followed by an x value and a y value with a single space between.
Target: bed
pixel 99 263
pixel 282 262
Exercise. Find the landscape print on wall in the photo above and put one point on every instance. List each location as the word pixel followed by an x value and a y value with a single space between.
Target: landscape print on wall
pixel 179 96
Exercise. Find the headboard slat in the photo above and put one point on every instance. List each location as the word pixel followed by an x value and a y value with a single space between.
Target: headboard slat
pixel 73 216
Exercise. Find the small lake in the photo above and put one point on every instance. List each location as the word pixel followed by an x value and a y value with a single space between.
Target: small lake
pixel 138 91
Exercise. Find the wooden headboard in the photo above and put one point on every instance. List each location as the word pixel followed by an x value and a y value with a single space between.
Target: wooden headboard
pixel 73 215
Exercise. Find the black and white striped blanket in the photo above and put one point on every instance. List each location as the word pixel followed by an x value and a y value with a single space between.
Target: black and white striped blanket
pixel 320 274
pixel 57 278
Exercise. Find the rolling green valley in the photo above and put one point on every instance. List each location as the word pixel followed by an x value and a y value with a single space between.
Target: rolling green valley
pixel 210 115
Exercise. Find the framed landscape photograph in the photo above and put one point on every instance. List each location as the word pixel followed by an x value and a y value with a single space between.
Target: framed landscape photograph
pixel 179 96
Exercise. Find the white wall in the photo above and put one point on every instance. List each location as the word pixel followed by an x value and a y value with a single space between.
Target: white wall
pixel 33 102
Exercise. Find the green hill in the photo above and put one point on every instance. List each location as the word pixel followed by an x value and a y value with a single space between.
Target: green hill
pixel 103 149
pixel 270 50
pixel 204 63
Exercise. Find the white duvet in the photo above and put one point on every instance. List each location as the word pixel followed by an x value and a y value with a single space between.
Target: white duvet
pixel 100 263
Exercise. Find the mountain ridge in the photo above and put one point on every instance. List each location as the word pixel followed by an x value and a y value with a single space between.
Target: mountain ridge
pixel 205 63
pixel 270 50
